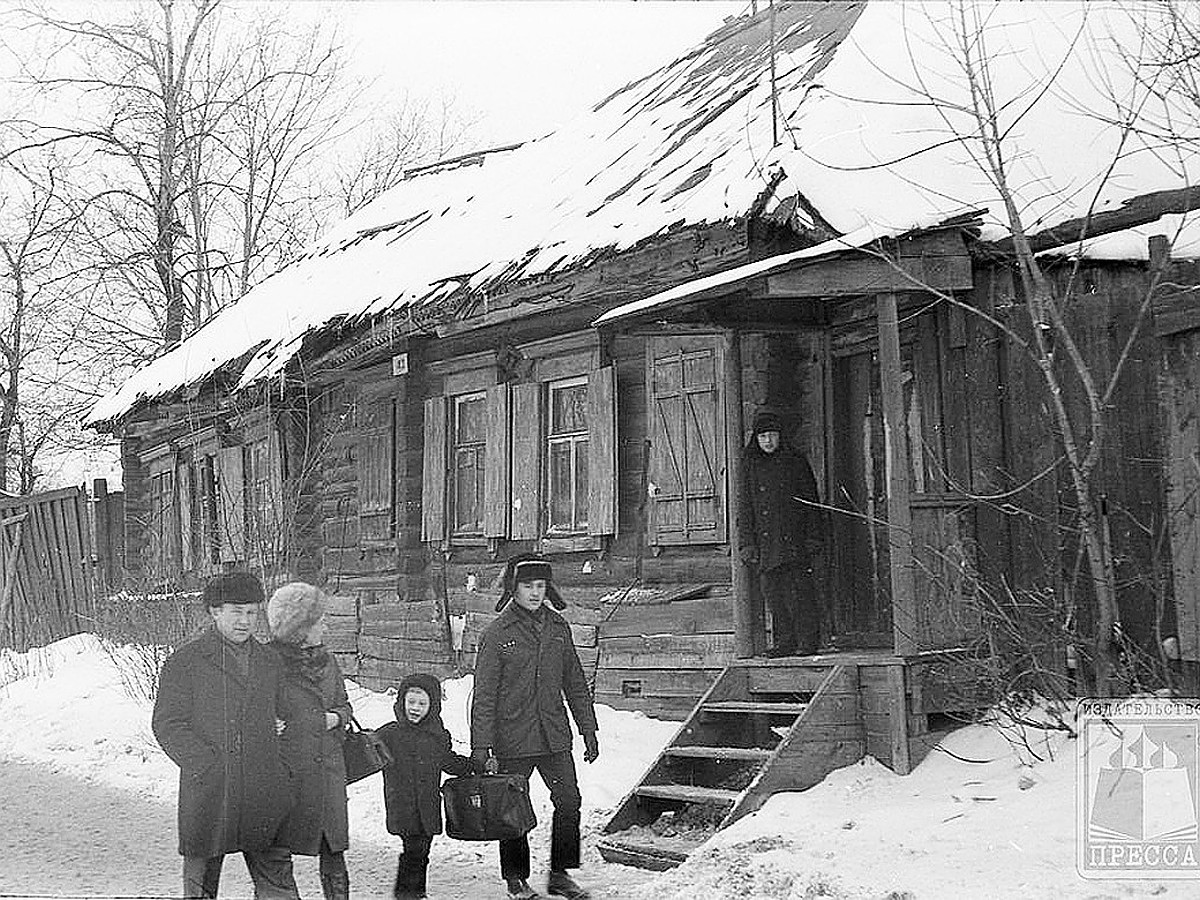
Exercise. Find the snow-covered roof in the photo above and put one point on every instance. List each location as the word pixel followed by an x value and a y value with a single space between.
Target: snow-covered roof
pixel 861 150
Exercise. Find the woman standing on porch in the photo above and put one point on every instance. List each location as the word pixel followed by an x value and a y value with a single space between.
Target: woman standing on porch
pixel 780 527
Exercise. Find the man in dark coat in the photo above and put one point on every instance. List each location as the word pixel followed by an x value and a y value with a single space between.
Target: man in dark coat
pixel 216 716
pixel 781 531
pixel 526 666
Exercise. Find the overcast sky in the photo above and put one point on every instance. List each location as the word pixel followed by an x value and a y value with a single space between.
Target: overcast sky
pixel 524 67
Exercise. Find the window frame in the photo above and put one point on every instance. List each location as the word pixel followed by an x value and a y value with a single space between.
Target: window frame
pixel 479 449
pixel 164 536
pixel 572 439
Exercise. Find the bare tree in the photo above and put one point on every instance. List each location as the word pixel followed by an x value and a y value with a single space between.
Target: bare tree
pixel 191 136
pixel 413 132
pixel 34 228
pixel 196 147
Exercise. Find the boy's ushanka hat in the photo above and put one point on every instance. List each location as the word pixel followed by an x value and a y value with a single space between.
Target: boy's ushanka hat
pixel 528 567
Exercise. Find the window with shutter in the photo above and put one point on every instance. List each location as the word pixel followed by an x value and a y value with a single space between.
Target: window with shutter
pixel 567 456
pixel 231 511
pixel 265 519
pixel 433 479
pixel 376 417
pixel 164 527
pixel 206 534
pixel 687 458
pixel 468 447
pixel 532 460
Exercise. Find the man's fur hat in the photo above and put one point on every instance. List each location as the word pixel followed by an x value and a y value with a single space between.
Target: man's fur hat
pixel 527 567
pixel 238 588
pixel 293 610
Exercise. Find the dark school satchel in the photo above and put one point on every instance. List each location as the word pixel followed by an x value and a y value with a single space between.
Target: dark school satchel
pixel 364 751
pixel 488 807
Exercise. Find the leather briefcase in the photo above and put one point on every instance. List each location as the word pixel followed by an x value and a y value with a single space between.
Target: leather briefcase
pixel 488 807
pixel 364 751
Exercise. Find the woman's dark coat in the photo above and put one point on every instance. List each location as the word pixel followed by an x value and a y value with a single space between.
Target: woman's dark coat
pixel 314 752
pixel 522 675
pixel 420 753
pixel 218 726
pixel 776 527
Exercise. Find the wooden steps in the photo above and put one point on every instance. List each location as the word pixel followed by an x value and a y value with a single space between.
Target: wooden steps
pixel 758 729
pixel 688 793
pixel 746 706
pixel 747 753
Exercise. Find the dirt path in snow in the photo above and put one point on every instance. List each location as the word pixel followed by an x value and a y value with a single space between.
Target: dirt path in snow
pixel 66 836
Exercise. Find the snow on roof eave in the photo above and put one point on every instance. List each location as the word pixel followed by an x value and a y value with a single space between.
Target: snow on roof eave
pixel 111 408
pixel 722 282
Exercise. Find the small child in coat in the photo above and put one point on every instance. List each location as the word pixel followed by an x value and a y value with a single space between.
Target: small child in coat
pixel 420 746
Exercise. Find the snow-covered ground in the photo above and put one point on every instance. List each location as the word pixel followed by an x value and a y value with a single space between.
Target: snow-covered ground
pixel 87 810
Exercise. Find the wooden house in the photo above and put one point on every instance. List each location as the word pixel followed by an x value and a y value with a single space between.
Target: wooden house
pixel 558 346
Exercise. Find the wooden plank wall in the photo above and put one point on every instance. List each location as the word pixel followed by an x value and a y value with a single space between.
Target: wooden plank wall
pixel 1105 311
pixel 660 658
pixel 1181 401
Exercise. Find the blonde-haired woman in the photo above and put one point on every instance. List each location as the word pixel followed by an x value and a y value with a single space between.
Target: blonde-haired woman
pixel 315 711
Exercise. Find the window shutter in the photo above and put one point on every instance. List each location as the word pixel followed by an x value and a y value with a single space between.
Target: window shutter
pixel 183 484
pixel 526 461
pixel 602 451
pixel 687 458
pixel 376 466
pixel 232 513
pixel 496 471
pixel 433 482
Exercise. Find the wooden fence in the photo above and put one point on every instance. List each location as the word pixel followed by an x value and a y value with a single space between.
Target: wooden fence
pixel 50 571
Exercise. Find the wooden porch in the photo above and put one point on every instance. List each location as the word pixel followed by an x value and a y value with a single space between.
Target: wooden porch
pixel 877 400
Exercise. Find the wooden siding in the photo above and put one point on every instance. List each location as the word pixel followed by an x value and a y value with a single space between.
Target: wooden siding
pixel 1181 396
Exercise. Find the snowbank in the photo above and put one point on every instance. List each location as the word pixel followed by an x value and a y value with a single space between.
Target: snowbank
pixel 977 819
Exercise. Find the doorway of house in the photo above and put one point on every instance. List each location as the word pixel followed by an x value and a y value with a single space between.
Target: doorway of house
pixel 859 597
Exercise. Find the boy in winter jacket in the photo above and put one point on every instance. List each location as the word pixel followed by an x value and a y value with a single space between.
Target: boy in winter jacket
pixel 526 668
pixel 420 746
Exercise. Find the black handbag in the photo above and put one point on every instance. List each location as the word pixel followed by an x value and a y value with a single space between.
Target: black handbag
pixel 488 807
pixel 364 751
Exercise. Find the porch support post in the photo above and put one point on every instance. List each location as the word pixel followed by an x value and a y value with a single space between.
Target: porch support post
pixel 904 612
pixel 743 599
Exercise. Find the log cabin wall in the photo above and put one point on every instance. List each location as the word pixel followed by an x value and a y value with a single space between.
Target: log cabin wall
pixel 458 577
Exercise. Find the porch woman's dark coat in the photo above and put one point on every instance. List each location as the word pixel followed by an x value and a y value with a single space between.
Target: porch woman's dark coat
pixel 314 754
pixel 218 726
pixel 773 522
pixel 522 676
pixel 420 753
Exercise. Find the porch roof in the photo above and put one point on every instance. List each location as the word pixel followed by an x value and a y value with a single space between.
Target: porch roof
pixel 722 283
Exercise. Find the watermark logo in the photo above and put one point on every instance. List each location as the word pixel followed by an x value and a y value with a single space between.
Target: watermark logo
pixel 1136 789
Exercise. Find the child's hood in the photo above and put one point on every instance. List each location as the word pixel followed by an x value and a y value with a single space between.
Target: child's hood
pixel 431 686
